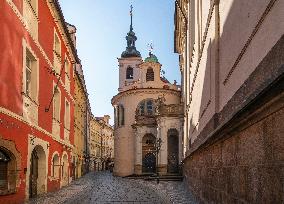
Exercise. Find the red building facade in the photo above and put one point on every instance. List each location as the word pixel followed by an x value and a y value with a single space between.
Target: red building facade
pixel 36 99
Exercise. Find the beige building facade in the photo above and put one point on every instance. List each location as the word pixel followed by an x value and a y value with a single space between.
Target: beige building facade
pixel 147 109
pixel 232 70
pixel 101 143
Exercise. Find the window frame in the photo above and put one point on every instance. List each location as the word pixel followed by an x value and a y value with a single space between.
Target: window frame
pixel 34 70
pixel 54 107
pixel 57 55
pixel 67 115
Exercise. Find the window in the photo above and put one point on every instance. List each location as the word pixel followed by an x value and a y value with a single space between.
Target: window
pixel 150 75
pixel 146 107
pixel 57 53
pixel 67 74
pixel 30 13
pixel 149 107
pixel 119 115
pixel 67 68
pixel 142 108
pixel 57 46
pixel 30 76
pixel 67 115
pixel 129 73
pixel 56 105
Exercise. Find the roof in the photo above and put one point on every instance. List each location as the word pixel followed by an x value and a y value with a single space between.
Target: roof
pixel 152 58
pixel 163 79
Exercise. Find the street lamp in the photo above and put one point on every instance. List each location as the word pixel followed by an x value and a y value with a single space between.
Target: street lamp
pixel 158 145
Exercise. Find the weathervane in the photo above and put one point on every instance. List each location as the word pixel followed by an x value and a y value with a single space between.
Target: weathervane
pixel 150 48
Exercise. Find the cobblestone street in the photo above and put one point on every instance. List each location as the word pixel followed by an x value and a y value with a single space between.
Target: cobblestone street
pixel 102 188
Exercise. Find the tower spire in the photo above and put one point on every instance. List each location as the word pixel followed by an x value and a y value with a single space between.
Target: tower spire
pixel 131 16
pixel 130 39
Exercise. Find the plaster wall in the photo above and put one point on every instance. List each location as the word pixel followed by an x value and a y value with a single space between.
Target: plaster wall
pixel 16 126
pixel 245 32
pixel 124 137
pixel 238 20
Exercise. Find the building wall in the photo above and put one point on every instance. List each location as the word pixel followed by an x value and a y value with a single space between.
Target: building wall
pixel 20 116
pixel 79 124
pixel 124 149
pixel 224 52
pixel 246 165
pixel 95 144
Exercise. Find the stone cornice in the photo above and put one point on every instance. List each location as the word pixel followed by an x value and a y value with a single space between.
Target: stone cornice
pixel 117 97
pixel 35 126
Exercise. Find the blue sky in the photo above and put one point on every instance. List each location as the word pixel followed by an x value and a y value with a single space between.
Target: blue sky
pixel 101 29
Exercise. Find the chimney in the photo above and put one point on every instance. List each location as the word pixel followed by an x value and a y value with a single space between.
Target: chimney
pixel 106 119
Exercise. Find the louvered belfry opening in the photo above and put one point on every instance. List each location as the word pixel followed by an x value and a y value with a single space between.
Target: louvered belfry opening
pixel 150 75
pixel 129 73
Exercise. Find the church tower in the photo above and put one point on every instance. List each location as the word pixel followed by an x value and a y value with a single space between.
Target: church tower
pixel 146 110
pixel 130 59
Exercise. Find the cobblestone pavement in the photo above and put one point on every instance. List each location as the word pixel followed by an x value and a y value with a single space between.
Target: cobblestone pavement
pixel 103 188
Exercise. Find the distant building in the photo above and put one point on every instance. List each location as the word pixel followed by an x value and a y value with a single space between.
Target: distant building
pixel 231 60
pixel 36 99
pixel 147 108
pixel 101 143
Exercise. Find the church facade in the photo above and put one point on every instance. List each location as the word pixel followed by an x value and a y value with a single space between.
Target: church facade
pixel 148 116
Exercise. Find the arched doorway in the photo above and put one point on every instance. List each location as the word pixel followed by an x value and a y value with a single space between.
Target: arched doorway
pixel 7 171
pixel 148 154
pixel 37 172
pixel 4 159
pixel 173 151
pixel 64 171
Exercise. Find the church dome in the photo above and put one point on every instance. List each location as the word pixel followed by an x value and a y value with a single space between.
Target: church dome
pixel 152 58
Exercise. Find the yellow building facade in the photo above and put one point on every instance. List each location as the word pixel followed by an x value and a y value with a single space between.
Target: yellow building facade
pixel 80 114
pixel 101 143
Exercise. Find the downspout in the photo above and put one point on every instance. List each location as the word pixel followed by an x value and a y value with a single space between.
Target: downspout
pixel 217 62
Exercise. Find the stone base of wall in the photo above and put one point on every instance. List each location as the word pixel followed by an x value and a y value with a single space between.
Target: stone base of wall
pixel 162 169
pixel 138 169
pixel 246 162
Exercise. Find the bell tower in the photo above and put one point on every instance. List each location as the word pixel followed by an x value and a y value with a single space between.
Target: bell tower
pixel 130 59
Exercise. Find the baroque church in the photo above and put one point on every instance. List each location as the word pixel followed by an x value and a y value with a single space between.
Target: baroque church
pixel 148 116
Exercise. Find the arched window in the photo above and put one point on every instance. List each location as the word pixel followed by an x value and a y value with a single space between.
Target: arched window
pixel 4 160
pixel 146 107
pixel 129 73
pixel 150 75
pixel 119 115
pixel 55 166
